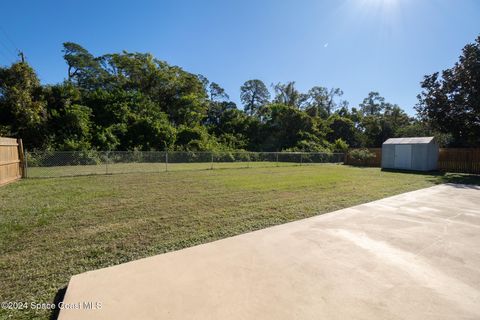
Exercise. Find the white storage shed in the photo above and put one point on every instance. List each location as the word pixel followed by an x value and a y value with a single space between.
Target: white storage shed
pixel 420 154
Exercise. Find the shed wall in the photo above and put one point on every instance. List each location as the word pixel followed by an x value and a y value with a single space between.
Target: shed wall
pixel 388 156
pixel 419 157
pixel 424 156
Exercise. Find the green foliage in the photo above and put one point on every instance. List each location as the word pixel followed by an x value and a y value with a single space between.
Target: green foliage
pixel 254 95
pixel 231 141
pixel 372 105
pixel 450 102
pixel 287 94
pixel 361 155
pixel 196 139
pixel 421 129
pixel 379 120
pixel 340 146
pixel 22 106
pixel 83 68
pixel 320 101
pixel 286 126
pixel 341 128
pixel 133 101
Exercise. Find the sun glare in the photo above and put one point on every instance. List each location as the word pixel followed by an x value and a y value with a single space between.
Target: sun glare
pixel 387 12
pixel 383 5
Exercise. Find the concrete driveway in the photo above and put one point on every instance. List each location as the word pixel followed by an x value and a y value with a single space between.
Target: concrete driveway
pixel 411 256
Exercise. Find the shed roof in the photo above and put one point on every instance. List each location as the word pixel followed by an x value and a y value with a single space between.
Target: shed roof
pixel 416 140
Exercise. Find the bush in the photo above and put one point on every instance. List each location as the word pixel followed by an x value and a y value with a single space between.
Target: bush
pixel 361 156
pixel 340 146
pixel 63 158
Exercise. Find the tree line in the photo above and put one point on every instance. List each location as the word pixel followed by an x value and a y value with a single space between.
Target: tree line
pixel 133 101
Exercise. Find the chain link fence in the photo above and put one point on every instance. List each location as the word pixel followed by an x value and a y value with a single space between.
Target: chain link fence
pixel 74 163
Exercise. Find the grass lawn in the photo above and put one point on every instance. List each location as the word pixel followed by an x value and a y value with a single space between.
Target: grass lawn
pixel 51 229
pixel 65 171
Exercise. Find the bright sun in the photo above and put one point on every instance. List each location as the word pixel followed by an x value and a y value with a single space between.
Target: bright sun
pixel 386 14
pixel 383 7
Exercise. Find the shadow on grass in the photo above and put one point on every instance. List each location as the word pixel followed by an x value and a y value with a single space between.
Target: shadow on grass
pixel 58 298
pixel 439 177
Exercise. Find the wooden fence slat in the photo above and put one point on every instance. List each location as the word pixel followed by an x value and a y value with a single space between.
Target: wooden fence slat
pixel 10 162
pixel 463 160
pixel 21 158
pixel 4 163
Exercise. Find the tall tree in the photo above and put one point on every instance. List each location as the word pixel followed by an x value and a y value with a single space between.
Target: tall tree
pixel 396 117
pixel 373 104
pixel 182 95
pixel 450 102
pixel 287 94
pixel 83 67
pixel 254 95
pixel 341 128
pixel 22 107
pixel 322 101
pixel 286 127
pixel 69 123
pixel 217 93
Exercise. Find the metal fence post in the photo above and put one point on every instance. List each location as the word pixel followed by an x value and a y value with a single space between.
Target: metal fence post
pixel 301 158
pixel 21 157
pixel 211 160
pixel 166 161
pixel 277 158
pixel 106 162
pixel 26 164
pixel 248 160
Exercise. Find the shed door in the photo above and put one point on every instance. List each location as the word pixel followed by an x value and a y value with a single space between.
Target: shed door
pixel 403 156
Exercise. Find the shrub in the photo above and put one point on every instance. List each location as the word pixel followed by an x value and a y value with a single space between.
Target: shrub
pixel 361 156
pixel 340 146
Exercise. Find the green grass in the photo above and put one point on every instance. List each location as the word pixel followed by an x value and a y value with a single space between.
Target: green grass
pixel 51 229
pixel 65 171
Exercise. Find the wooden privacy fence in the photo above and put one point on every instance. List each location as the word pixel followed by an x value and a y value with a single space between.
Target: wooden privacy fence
pixel 463 160
pixel 11 160
pixel 459 160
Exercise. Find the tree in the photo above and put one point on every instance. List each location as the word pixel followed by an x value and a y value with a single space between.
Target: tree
pixel 450 102
pixel 320 101
pixel 379 120
pixel 195 139
pixel 217 93
pixel 83 67
pixel 341 128
pixel 254 95
pixel 286 127
pixel 134 101
pixel 373 104
pixel 287 94
pixel 22 107
pixel 216 112
pixel 378 128
pixel 396 117
pixel 149 133
pixel 69 123
pixel 419 128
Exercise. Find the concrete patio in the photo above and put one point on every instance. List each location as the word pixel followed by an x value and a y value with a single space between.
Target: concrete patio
pixel 411 256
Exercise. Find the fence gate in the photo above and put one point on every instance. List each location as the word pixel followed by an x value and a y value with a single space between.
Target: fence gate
pixel 11 160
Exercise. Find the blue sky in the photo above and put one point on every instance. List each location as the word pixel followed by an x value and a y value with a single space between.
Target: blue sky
pixel 356 45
